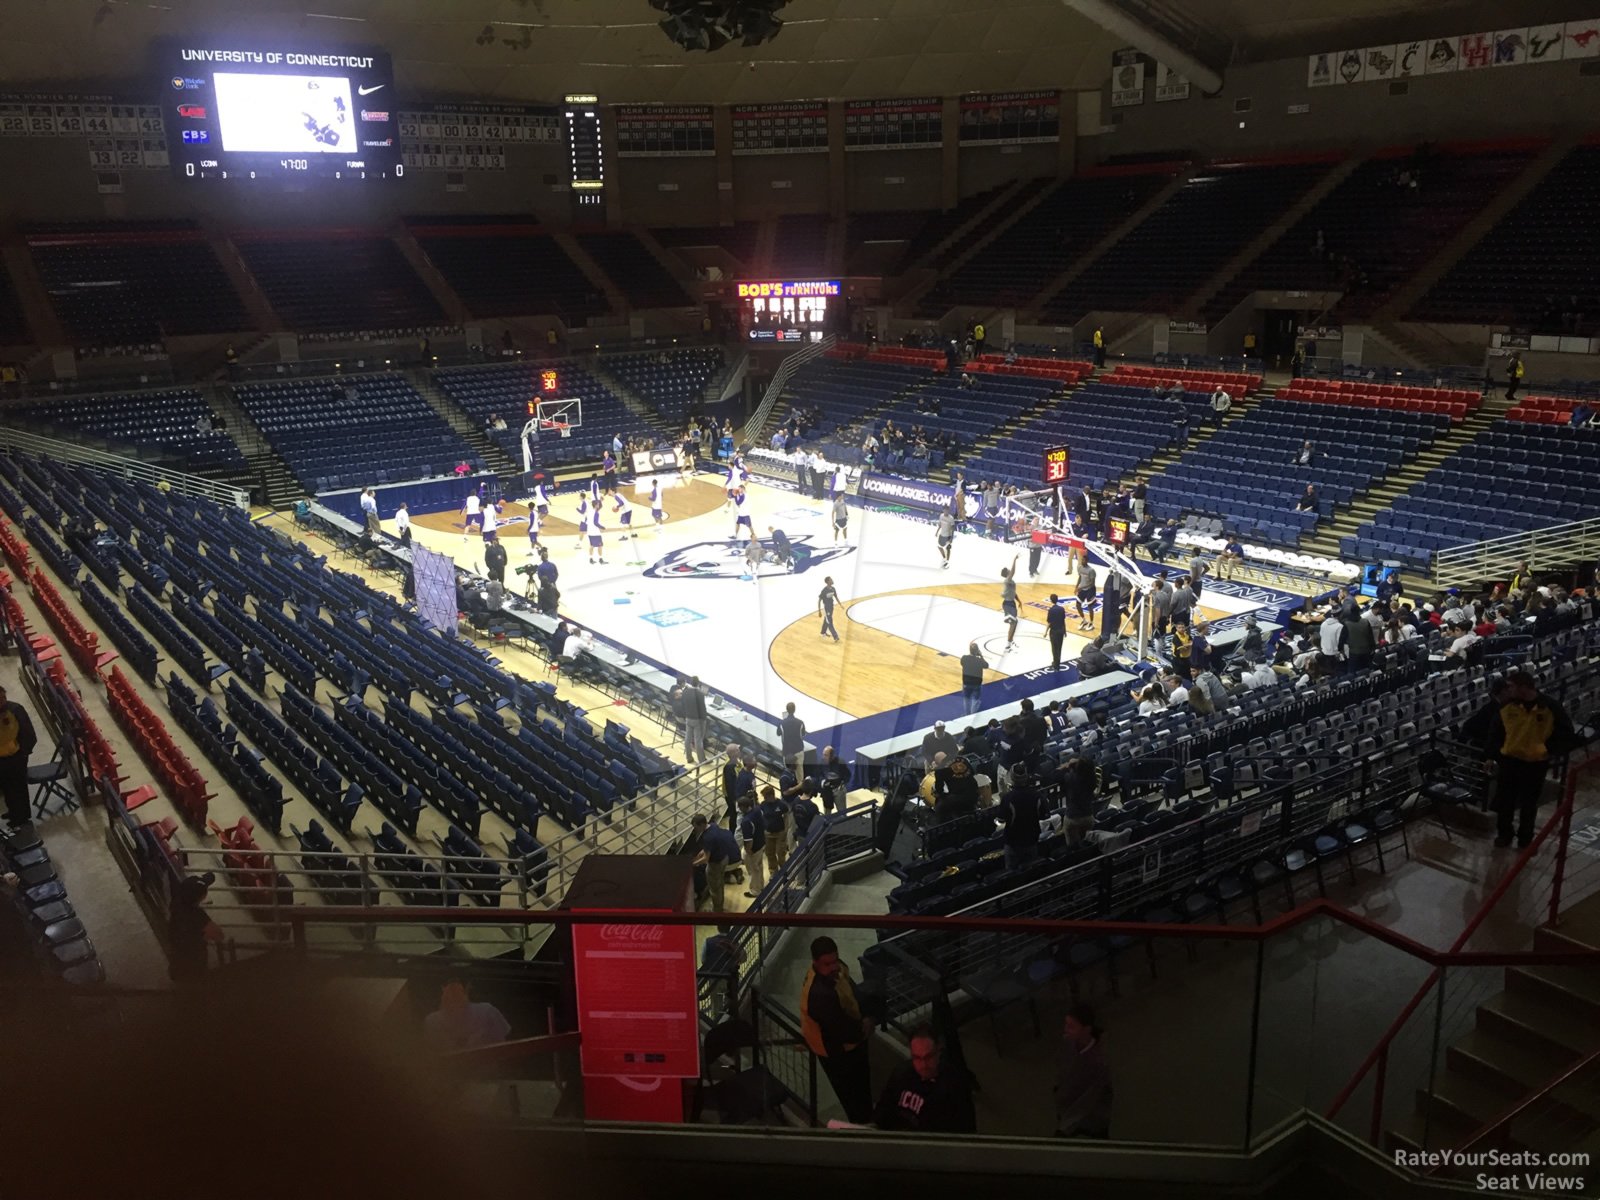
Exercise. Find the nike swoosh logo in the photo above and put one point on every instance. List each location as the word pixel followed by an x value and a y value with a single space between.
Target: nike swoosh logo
pixel 367 91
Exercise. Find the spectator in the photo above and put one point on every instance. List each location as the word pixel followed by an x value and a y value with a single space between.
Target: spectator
pixel 1258 675
pixel 17 740
pixel 1582 415
pixel 1528 732
pixel 1151 701
pixel 1165 540
pixel 1099 347
pixel 694 719
pixel 956 790
pixel 719 851
pixel 1083 1078
pixel 1232 556
pixel 773 812
pixel 793 731
pixel 1055 623
pixel 1360 643
pixel 460 1023
pixel 1020 811
pixel 1221 402
pixel 730 784
pixel 1307 456
pixel 1206 682
pixel 753 844
pixel 494 562
pixel 1514 374
pixel 402 523
pixel 1080 785
pixel 1308 499
pixel 834 1028
pixel 720 958
pixel 938 741
pixel 1093 660
pixel 973 665
pixel 1035 729
pixel 1331 638
pixel 369 510
pixel 927 1095
pixel 1462 640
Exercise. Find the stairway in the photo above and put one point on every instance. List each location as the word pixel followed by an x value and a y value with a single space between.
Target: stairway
pixel 1473 231
pixel 1268 237
pixel 244 282
pixel 1542 1021
pixel 670 263
pixel 43 324
pixel 615 299
pixel 996 205
pixel 631 400
pixel 453 307
pixel 734 365
pixel 1345 522
pixel 1111 238
pixel 1023 202
pixel 278 485
pixel 485 447
pixel 1152 468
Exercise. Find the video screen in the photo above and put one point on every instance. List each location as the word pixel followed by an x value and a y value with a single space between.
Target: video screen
pixel 285 114
pixel 280 112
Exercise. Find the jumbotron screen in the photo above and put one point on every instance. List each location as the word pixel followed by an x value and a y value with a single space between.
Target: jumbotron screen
pixel 280 112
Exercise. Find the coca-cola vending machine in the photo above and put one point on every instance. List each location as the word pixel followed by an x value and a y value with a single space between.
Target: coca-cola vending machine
pixel 637 999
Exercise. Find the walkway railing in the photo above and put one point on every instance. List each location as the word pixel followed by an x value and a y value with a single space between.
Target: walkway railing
pixel 780 379
pixel 21 441
pixel 1574 542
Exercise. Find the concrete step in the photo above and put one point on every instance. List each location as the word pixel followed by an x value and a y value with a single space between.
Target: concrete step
pixel 1538 1022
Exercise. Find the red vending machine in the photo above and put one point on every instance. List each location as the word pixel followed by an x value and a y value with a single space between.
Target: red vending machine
pixel 637 998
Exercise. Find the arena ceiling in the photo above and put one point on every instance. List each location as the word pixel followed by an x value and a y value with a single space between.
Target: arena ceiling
pixel 527 50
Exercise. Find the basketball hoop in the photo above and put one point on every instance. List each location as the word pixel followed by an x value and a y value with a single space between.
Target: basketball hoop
pixel 554 428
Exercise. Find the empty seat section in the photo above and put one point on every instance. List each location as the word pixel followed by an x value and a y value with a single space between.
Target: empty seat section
pixel 800 245
pixel 344 433
pixel 1043 242
pixel 505 389
pixel 1517 475
pixel 161 425
pixel 645 282
pixel 504 271
pixel 323 284
pixel 876 242
pixel 670 381
pixel 1161 262
pixel 135 283
pixel 1536 268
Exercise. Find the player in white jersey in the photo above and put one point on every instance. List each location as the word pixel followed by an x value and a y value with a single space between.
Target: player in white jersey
pixel 535 522
pixel 841 480
pixel 597 543
pixel 472 515
pixel 624 512
pixel 583 517
pixel 741 520
pixel 491 519
pixel 656 511
pixel 541 499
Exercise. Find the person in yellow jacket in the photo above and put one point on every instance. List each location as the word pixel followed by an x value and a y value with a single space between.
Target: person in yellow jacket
pixel 1099 347
pixel 1527 731
pixel 1514 372
pixel 832 1024
pixel 977 341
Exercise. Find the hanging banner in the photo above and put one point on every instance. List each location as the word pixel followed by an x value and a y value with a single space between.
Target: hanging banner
pixel 1010 118
pixel 1170 85
pixel 1533 44
pixel 1127 78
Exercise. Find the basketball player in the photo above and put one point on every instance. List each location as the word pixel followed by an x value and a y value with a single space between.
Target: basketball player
pixel 736 477
pixel 597 552
pixel 472 514
pixel 1008 601
pixel 753 556
pixel 624 512
pixel 535 521
pixel 741 519
pixel 583 517
pixel 841 520
pixel 945 536
pixel 1085 593
pixel 841 480
pixel 491 519
pixel 541 499
pixel 656 510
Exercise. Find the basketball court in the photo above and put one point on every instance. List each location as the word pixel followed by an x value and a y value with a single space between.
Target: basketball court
pixel 679 596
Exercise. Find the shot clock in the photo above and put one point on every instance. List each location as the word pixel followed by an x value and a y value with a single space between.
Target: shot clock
pixel 1057 465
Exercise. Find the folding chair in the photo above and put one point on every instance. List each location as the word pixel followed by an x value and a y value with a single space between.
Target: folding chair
pixel 51 795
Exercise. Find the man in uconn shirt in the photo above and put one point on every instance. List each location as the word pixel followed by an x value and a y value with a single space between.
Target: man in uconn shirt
pixel 927 1095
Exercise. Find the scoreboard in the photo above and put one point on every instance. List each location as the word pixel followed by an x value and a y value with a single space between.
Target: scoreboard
pixel 1057 465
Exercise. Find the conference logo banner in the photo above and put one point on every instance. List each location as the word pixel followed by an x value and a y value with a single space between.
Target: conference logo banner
pixel 1528 45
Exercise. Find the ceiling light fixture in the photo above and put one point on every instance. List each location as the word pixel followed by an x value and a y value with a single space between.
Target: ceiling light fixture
pixel 713 24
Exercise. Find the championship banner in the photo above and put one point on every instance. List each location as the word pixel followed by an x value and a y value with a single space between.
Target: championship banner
pixel 914 124
pixel 797 128
pixel 1527 45
pixel 1010 118
pixel 665 131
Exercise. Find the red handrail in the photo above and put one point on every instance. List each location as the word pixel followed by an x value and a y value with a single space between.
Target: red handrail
pixel 1561 817
pixel 298 918
pixel 1511 1114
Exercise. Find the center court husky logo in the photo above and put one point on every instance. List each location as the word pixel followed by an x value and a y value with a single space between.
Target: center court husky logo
pixel 725 560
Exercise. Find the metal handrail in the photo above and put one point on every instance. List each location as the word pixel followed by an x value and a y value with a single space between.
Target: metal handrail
pixel 1571 541
pixel 780 380
pixel 1378 1056
pixel 22 441
pixel 1517 1109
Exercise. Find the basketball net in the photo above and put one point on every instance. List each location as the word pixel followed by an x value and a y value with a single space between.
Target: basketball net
pixel 558 428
